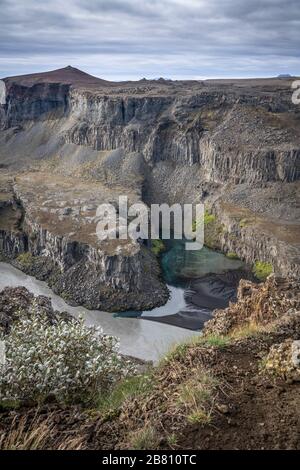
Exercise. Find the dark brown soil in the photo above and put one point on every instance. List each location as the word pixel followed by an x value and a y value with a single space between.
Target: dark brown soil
pixel 263 413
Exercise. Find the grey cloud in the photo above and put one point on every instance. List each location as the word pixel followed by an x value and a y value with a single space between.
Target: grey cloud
pixel 120 38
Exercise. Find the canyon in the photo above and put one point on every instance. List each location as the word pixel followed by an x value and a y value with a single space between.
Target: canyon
pixel 70 141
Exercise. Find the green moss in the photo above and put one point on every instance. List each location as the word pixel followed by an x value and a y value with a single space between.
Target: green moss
pixel 209 218
pixel 157 247
pixel 262 270
pixel 246 222
pixel 212 231
pixel 8 405
pixel 25 259
pixel 199 417
pixel 232 255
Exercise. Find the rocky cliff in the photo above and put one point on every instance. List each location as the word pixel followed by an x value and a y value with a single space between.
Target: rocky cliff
pixel 46 237
pixel 168 142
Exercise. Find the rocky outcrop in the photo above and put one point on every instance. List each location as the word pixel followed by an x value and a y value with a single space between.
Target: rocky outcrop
pixel 255 238
pixel 61 247
pixel 276 301
pixel 18 301
pixel 283 360
pixel 40 101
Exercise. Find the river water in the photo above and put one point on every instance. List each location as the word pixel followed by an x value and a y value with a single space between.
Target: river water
pixel 199 281
pixel 145 340
pixel 194 293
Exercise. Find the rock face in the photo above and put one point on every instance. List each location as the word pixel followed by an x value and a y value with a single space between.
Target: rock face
pixel 276 300
pixel 230 133
pixel 284 360
pixel 59 244
pixel 19 301
pixel 218 142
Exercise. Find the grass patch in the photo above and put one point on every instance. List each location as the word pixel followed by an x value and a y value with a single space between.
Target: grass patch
pixel 199 417
pixel 128 388
pixel 176 353
pixel 232 255
pixel 172 440
pixel 216 341
pixel 179 351
pixel 35 434
pixel 25 259
pixel 244 331
pixel 20 436
pixel 196 396
pixel 146 438
pixel 262 270
pixel 157 247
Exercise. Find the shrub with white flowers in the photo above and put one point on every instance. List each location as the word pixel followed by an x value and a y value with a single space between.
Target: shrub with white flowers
pixel 66 360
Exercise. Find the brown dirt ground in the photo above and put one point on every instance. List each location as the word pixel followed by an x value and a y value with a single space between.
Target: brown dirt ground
pixel 264 413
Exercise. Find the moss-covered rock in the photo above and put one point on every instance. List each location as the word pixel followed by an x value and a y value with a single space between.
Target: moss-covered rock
pixel 212 231
pixel 262 270
pixel 232 255
pixel 25 259
pixel 283 360
pixel 157 247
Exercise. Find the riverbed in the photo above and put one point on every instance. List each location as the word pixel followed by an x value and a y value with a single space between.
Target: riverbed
pixel 198 282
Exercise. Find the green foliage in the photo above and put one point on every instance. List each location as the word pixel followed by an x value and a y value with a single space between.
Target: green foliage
pixel 243 223
pixel 209 218
pixel 172 440
pixel 157 247
pixel 246 222
pixel 216 340
pixel 232 255
pixel 25 259
pixel 128 388
pixel 199 417
pixel 9 405
pixel 64 360
pixel 176 353
pixel 262 270
pixel 179 351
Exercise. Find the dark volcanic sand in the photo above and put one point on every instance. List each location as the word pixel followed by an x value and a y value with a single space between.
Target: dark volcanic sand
pixel 204 295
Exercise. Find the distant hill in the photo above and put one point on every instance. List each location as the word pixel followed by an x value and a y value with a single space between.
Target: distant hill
pixel 68 75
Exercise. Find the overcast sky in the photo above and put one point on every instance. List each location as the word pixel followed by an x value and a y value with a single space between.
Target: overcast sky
pixel 131 39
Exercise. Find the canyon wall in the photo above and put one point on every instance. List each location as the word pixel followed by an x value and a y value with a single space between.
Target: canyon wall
pixel 189 140
pixel 229 137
